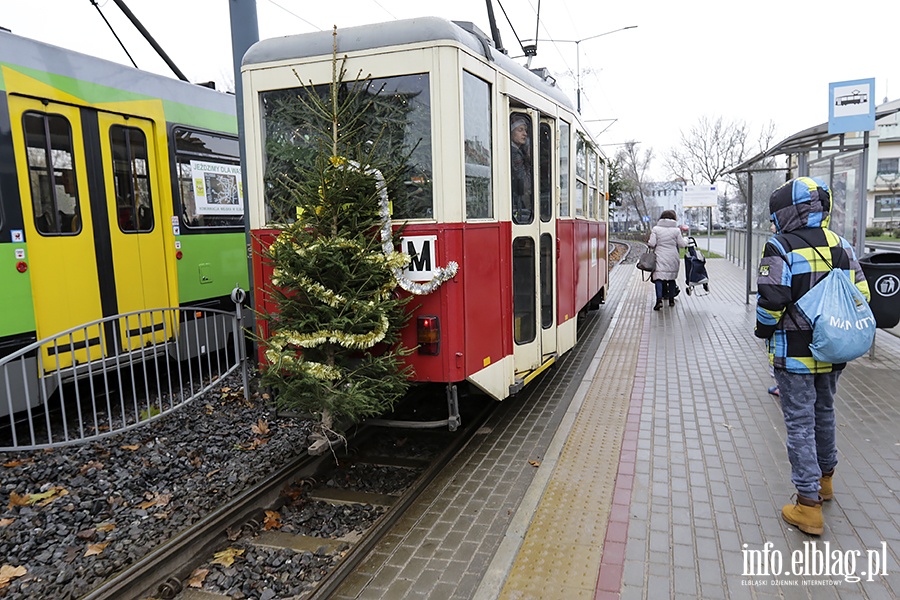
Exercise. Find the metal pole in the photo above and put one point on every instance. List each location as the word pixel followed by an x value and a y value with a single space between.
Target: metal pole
pixel 863 198
pixel 578 74
pixel 747 257
pixel 134 20
pixel 244 33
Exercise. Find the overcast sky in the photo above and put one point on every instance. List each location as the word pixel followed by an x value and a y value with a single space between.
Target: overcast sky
pixel 752 61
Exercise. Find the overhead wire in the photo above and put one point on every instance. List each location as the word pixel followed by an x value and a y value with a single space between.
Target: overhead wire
pixel 113 31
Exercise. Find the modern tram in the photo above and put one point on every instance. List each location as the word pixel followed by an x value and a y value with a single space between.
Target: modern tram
pixel 119 192
pixel 502 179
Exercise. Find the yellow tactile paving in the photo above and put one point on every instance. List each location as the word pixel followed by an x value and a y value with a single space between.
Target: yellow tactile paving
pixel 560 555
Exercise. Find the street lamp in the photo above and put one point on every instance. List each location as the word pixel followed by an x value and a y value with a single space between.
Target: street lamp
pixel 578 56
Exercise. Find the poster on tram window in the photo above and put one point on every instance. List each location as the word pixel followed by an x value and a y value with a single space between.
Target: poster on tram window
pixel 217 188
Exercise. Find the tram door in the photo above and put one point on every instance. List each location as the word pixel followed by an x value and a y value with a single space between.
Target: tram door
pixel 58 225
pixel 526 239
pixel 134 210
pixel 547 191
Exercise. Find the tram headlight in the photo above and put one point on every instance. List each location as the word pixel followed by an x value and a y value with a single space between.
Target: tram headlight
pixel 428 330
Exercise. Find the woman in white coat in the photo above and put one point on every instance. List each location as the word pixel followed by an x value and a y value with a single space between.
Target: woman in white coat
pixel 666 239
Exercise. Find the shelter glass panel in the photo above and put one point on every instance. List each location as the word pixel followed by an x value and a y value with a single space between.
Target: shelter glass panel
pixel 391 124
pixel 842 173
pixel 51 172
pixel 131 176
pixel 477 147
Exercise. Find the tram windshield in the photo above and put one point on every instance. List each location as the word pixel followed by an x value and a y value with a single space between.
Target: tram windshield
pixel 391 119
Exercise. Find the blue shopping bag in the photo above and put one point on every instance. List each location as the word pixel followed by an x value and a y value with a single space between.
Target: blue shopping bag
pixel 843 324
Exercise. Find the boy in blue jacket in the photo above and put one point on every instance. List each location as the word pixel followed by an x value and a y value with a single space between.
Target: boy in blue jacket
pixel 789 267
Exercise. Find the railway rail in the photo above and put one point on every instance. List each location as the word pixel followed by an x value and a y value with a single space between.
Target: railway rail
pixel 257 545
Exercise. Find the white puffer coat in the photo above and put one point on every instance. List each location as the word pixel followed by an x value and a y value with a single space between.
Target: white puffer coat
pixel 666 238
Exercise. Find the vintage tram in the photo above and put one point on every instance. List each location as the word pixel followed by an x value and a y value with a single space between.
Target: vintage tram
pixel 502 179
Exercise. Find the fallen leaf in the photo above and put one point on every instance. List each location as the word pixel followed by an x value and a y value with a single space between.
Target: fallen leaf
pixel 91 465
pixel 45 498
pixel 272 520
pixel 94 549
pixel 534 463
pixel 14 463
pixel 162 515
pixel 154 499
pixel 6 522
pixel 213 472
pixel 8 573
pixel 226 557
pixel 261 427
pixel 197 577
pixel 17 500
pixel 106 527
pixel 131 447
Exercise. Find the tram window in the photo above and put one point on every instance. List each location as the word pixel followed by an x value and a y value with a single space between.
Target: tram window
pixel 521 162
pixel 209 179
pixel 579 197
pixel 51 172
pixel 524 317
pixel 393 119
pixel 580 175
pixel 477 147
pixel 545 149
pixel 546 280
pixel 592 183
pixel 131 176
pixel 564 169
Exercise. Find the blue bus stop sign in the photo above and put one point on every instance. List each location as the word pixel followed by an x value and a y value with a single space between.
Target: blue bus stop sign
pixel 851 106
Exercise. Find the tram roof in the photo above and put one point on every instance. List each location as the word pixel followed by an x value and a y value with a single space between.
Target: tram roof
pixel 397 33
pixel 18 51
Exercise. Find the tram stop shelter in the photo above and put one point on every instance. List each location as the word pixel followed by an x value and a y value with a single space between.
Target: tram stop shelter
pixel 841 160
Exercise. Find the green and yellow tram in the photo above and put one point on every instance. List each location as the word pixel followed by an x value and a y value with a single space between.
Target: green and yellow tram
pixel 119 192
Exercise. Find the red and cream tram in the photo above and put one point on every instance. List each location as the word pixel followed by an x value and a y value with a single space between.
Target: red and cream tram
pixel 502 180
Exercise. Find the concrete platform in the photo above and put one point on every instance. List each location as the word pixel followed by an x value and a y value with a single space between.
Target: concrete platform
pixel 661 473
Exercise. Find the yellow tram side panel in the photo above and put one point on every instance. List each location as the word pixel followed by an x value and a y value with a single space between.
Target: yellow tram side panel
pixel 145 270
pixel 55 310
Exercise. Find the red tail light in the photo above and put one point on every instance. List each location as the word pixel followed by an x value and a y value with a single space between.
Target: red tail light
pixel 428 330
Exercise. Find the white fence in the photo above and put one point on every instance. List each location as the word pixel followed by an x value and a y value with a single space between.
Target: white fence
pixel 115 374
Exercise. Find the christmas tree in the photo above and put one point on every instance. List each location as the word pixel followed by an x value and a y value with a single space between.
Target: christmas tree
pixel 333 348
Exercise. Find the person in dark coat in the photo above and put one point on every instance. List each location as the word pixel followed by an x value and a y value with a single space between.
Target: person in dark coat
pixel 666 239
pixel 790 266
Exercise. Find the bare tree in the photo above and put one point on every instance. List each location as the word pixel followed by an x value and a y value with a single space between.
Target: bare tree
pixel 633 166
pixel 708 150
pixel 711 148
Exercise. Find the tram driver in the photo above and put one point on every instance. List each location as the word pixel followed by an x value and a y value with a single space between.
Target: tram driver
pixel 522 168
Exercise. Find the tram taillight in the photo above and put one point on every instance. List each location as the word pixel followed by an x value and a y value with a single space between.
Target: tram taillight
pixel 428 329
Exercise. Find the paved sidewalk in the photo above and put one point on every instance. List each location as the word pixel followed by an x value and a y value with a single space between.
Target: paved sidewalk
pixel 703 472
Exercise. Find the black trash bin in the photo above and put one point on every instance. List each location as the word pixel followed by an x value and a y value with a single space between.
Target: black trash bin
pixel 882 271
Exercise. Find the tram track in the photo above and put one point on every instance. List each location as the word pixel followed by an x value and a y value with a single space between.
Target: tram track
pixel 178 568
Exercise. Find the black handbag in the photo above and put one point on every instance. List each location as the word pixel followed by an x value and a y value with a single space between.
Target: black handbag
pixel 647 261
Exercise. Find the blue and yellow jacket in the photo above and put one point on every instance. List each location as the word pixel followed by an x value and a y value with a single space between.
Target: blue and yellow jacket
pixel 790 266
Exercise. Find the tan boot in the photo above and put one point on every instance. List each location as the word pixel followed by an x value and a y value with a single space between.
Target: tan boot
pixel 805 515
pixel 827 492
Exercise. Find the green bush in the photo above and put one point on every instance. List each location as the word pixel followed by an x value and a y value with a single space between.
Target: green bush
pixel 874 231
pixel 896 233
